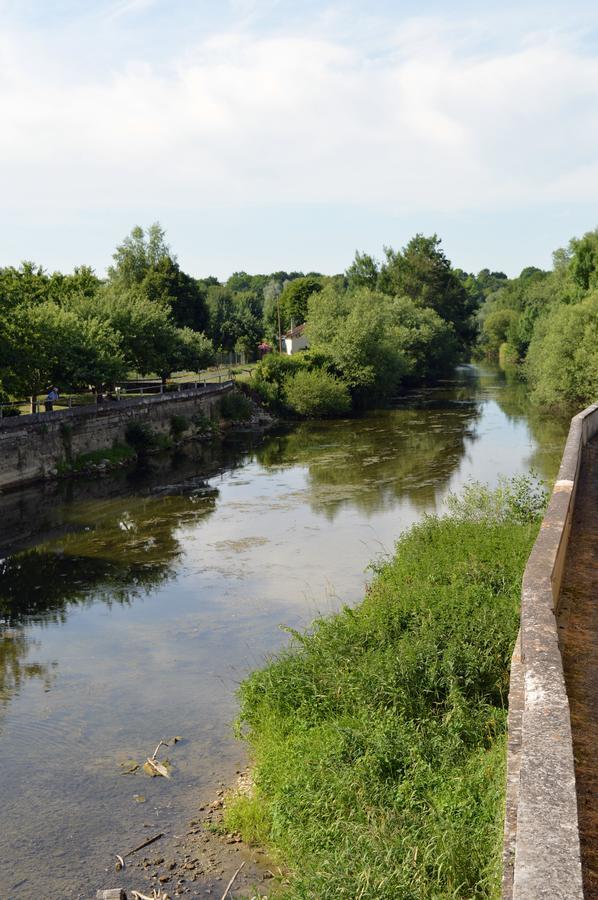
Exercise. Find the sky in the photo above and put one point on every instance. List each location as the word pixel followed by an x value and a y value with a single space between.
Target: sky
pixel 286 134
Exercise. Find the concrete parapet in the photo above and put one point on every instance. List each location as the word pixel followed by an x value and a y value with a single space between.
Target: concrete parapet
pixel 542 850
pixel 33 446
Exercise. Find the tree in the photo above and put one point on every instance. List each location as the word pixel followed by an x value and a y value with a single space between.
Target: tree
pixel 354 331
pixel 294 300
pixel 147 334
pixel 584 261
pixel 363 271
pixel 47 344
pixel 223 324
pixel 193 351
pixel 426 343
pixel 423 272
pixel 496 327
pixel 271 310
pixel 29 283
pixel 138 253
pixel 165 282
pixel 562 363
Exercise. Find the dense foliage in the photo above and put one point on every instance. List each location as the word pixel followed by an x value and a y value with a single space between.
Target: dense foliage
pixel 380 326
pixel 543 326
pixel 378 736
pixel 375 330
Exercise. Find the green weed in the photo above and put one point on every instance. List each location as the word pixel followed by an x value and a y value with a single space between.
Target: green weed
pixel 378 737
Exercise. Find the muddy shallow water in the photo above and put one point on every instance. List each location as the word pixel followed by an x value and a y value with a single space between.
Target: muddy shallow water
pixel 130 608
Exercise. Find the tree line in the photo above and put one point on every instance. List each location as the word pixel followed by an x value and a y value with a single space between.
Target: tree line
pixel 377 327
pixel 542 326
pixel 148 316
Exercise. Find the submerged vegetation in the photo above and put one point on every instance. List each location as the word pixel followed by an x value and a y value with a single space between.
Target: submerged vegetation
pixel 378 737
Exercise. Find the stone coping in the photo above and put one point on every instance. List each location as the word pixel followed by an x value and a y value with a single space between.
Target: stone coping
pixel 541 852
pixel 105 409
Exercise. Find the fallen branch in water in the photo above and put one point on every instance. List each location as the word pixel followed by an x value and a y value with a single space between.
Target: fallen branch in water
pixel 157 767
pixel 121 859
pixel 231 882
pixel 149 841
pixel 162 743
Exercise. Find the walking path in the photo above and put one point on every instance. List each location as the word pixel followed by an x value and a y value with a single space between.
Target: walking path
pixel 578 629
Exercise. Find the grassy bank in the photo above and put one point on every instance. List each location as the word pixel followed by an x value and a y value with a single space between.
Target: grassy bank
pixel 378 738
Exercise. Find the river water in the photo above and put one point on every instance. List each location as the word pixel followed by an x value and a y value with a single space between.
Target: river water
pixel 131 607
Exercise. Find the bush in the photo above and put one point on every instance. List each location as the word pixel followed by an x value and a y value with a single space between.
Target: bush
pixel 317 394
pixel 112 456
pixel 378 737
pixel 140 436
pixel 202 423
pixel 178 426
pixel 562 362
pixel 236 407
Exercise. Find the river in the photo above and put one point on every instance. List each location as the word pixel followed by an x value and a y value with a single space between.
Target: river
pixel 131 607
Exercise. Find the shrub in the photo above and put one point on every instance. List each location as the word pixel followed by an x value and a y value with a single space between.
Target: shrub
pixel 112 456
pixel 236 407
pixel 178 426
pixel 202 423
pixel 317 394
pixel 562 362
pixel 140 436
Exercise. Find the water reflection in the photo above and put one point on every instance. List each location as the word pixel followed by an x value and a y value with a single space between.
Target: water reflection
pixel 373 462
pixel 15 646
pixel 112 554
pixel 131 607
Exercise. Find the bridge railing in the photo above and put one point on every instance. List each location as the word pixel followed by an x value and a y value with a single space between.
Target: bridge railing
pixel 541 850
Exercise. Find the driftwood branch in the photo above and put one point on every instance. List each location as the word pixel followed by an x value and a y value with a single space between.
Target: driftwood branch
pixel 157 767
pixel 161 744
pixel 149 841
pixel 231 882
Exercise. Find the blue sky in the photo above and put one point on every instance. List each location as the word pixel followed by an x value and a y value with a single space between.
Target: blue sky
pixel 267 134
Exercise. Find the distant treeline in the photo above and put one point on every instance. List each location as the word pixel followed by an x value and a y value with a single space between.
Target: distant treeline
pixel 372 330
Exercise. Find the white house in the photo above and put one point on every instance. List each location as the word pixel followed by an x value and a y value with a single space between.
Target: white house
pixel 295 339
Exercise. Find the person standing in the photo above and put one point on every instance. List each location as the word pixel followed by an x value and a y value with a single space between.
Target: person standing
pixel 51 399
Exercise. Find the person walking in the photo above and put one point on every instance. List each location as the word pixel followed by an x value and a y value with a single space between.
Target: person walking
pixel 51 399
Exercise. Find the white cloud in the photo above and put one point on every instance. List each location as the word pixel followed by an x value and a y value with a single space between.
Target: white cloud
pixel 436 120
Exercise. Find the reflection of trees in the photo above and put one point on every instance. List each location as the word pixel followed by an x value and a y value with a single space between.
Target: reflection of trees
pixel 14 670
pixel 549 431
pixel 371 462
pixel 114 552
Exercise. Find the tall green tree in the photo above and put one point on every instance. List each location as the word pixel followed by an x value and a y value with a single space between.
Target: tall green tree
pixel 363 271
pixel 422 272
pixel 294 300
pixel 46 345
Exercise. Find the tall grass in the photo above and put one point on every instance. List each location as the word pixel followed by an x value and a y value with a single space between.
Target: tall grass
pixel 378 738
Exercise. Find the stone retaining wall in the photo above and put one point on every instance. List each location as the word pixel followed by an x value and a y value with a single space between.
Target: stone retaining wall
pixel 541 850
pixel 31 447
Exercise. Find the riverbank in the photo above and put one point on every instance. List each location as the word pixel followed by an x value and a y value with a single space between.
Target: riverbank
pixel 180 573
pixel 378 736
